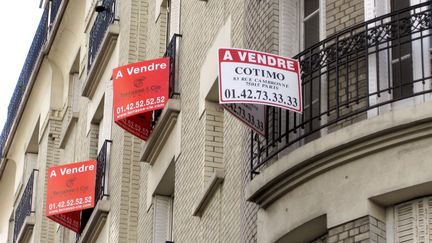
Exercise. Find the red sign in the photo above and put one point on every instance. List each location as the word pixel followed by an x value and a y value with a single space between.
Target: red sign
pixel 70 189
pixel 247 76
pixel 70 220
pixel 139 89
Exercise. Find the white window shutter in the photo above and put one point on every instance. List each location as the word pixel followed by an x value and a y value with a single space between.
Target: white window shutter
pixel 413 221
pixel 429 213
pixel 162 220
pixel 404 222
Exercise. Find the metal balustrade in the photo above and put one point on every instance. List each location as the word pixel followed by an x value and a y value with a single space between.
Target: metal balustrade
pixel 25 206
pixel 99 29
pixel 350 76
pixel 171 52
pixel 101 189
pixel 40 38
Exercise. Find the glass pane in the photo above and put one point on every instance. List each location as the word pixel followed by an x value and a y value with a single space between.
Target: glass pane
pixel 311 31
pixel 310 6
pixel 399 4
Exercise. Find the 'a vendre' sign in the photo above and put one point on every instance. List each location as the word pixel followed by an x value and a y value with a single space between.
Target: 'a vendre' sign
pixel 247 76
pixel 139 89
pixel 70 189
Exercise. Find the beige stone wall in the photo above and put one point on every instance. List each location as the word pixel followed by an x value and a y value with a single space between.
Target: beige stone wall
pixel 351 76
pixel 220 221
pixel 262 34
pixel 342 14
pixel 48 156
pixel 365 229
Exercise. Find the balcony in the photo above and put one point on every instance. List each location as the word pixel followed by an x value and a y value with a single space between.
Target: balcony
pixel 24 213
pixel 43 32
pixel 163 121
pixel 362 72
pixel 102 40
pixel 93 220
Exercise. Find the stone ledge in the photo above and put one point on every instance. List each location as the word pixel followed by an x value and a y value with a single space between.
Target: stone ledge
pixel 337 148
pixel 26 230
pixel 216 179
pixel 102 58
pixel 65 134
pixel 161 132
pixel 96 222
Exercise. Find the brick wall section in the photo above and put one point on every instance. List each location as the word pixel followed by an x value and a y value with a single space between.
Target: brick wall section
pixel 139 23
pixel 262 34
pixel 145 218
pixel 124 174
pixel 262 25
pixel 342 14
pixel 220 221
pixel 364 230
pixel 48 156
pixel 213 145
pixel 156 44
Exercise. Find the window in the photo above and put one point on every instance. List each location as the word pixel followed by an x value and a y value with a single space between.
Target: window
pixel 163 218
pixel 401 63
pixel 410 221
pixel 310 25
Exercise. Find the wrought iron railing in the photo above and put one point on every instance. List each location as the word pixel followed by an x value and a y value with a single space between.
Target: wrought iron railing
pixel 171 52
pixel 99 29
pixel 24 207
pixel 101 173
pixel 351 76
pixel 36 47
pixel 55 6
pixel 101 189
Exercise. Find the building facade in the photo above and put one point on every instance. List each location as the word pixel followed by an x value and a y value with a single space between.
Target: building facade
pixel 352 167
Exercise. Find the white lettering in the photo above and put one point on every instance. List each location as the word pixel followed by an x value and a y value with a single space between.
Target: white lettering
pixel 82 168
pixel 264 59
pixel 242 55
pixel 119 74
pixel 271 61
pixel 146 68
pixel 53 173
pixel 228 56
pixel 291 65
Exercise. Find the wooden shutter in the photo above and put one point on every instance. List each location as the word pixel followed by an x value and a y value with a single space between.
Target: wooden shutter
pixel 162 221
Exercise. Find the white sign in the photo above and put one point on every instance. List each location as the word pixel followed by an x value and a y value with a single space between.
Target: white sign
pixel 247 76
pixel 252 114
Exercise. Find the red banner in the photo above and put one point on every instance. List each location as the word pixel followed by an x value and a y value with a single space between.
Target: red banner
pixel 70 189
pixel 139 89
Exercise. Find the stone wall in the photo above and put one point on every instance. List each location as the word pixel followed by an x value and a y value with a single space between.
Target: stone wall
pixel 363 230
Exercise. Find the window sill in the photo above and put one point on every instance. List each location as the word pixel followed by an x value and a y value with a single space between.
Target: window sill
pixel 96 222
pixel 208 192
pixel 68 128
pixel 27 229
pixel 161 132
pixel 102 58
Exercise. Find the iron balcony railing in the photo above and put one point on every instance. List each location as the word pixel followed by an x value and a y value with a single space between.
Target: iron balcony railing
pixel 350 76
pixel 101 190
pixel 171 52
pixel 35 50
pixel 25 206
pixel 104 18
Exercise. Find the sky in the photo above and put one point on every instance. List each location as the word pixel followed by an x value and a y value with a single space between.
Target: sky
pixel 18 23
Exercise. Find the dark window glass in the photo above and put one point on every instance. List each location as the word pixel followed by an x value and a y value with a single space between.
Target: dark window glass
pixel 401 55
pixel 310 6
pixel 311 31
